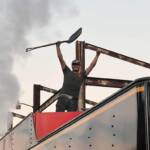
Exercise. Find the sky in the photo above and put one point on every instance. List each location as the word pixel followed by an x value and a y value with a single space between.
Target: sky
pixel 118 25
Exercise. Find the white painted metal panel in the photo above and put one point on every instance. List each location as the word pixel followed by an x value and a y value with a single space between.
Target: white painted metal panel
pixel 8 142
pixel 21 137
pixel 24 135
pixel 113 126
pixel 1 145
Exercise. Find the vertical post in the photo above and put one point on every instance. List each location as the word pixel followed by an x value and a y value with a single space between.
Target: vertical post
pixel 78 50
pixel 147 114
pixel 80 55
pixel 36 97
pixel 9 121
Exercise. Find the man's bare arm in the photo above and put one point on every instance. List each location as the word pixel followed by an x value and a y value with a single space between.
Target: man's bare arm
pixel 59 54
pixel 93 63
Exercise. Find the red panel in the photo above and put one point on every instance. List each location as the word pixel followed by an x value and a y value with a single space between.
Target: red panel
pixel 48 122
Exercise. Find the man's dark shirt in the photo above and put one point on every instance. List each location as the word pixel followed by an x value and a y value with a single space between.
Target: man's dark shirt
pixel 71 84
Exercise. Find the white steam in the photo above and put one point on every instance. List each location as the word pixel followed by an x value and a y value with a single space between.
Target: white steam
pixel 17 18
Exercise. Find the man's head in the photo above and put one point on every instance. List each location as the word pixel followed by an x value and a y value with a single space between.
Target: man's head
pixel 76 66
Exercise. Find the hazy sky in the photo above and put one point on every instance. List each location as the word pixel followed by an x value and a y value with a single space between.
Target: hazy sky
pixel 119 25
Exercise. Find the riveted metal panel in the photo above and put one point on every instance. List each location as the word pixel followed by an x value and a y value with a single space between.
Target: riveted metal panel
pixel 7 142
pixel 21 137
pixel 1 145
pixel 24 135
pixel 113 126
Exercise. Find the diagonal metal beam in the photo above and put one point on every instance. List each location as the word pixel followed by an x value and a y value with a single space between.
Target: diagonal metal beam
pixel 48 102
pixel 117 55
pixel 106 82
pixel 90 102
pixel 18 115
pixel 46 89
pixel 37 96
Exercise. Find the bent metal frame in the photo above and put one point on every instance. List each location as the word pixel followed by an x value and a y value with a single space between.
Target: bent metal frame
pixel 81 47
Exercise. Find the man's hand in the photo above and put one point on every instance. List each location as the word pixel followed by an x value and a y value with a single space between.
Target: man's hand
pixel 58 44
pixel 98 53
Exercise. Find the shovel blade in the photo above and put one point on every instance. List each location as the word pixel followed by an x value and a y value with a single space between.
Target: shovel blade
pixel 74 36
